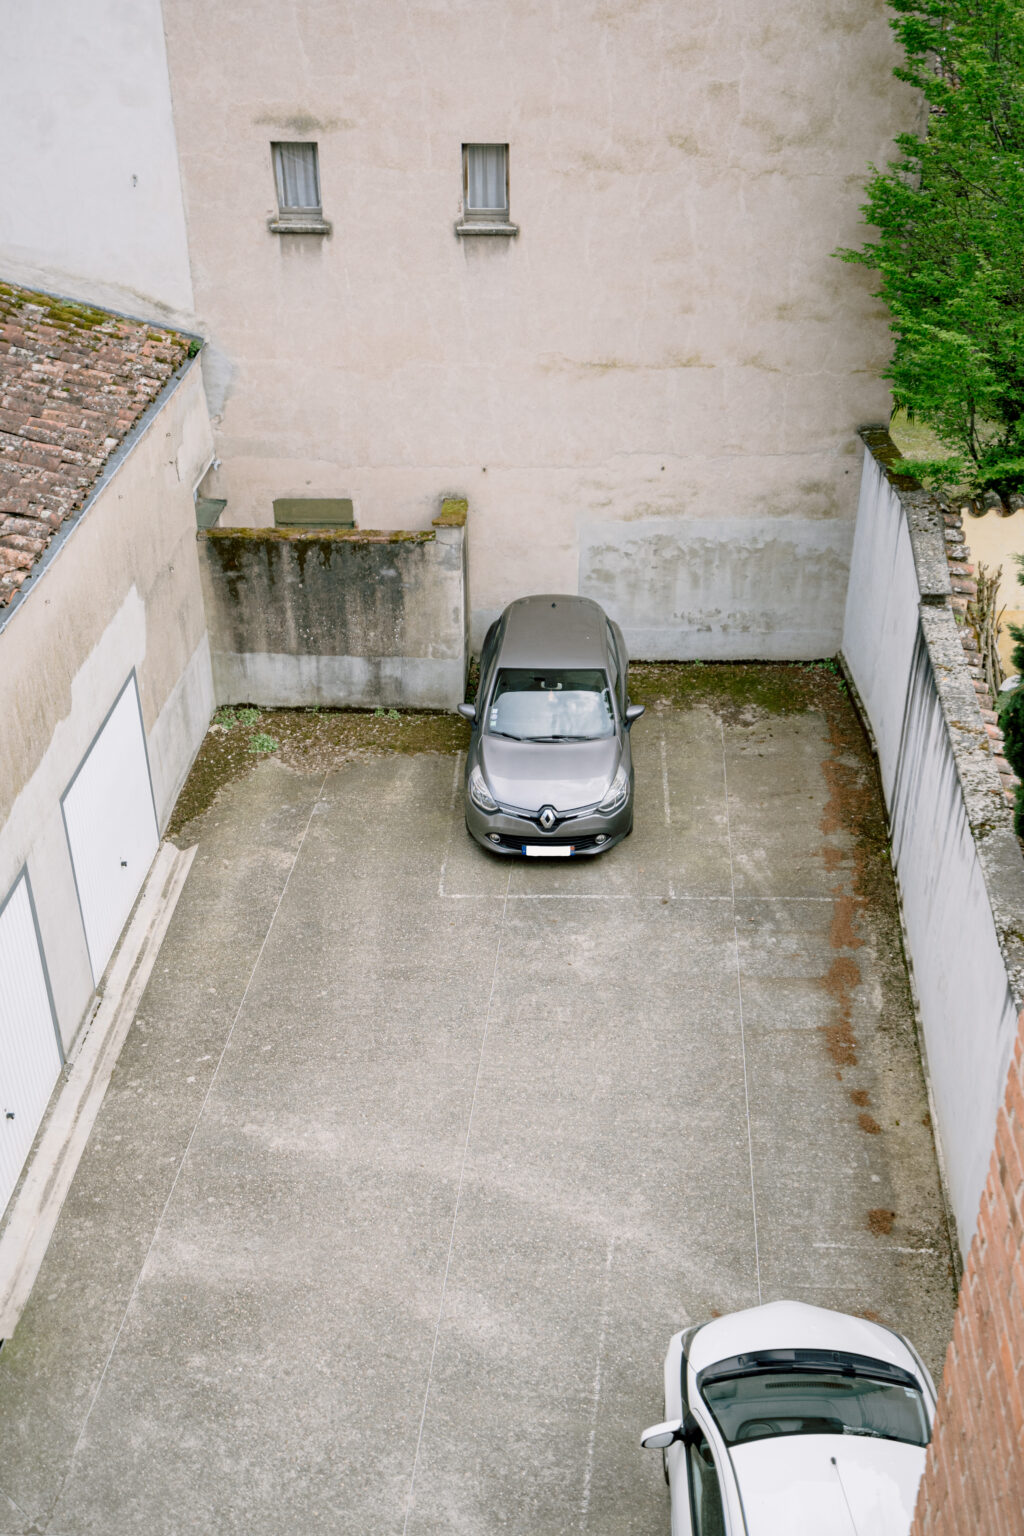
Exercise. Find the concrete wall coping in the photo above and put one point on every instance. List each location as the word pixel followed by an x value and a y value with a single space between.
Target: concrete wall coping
pixel 320 535
pixel 988 813
pixel 923 514
pixel 453 513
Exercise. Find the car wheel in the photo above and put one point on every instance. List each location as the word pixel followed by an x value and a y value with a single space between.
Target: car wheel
pixel 664 1466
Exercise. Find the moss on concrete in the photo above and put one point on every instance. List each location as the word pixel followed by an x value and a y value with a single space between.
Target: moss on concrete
pixel 307 740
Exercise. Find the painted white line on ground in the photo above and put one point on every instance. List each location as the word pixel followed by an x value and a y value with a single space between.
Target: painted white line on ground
pixel 451 823
pixel 668 805
pixel 33 1215
pixel 873 1248
pixel 455 1218
pixel 743 1037
pixel 612 896
pixel 595 1396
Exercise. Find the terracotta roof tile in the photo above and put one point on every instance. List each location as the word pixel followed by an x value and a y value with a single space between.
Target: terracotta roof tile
pixel 73 382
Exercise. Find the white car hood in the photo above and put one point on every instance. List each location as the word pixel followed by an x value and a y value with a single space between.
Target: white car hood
pixel 565 774
pixel 790 1486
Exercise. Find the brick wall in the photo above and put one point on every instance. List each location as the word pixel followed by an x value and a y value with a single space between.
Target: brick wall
pixel 974 1477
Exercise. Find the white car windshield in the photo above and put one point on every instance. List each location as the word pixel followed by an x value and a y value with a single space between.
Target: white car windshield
pixel 759 1402
pixel 557 705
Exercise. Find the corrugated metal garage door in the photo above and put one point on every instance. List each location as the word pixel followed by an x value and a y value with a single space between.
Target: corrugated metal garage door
pixel 29 1056
pixel 111 826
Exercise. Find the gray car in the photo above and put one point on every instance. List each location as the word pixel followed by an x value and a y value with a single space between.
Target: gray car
pixel 549 772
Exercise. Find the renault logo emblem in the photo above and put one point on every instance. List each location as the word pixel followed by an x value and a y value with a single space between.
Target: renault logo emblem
pixel 547 818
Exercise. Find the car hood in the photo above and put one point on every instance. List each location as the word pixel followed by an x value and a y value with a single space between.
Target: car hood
pixel 532 774
pixel 828 1485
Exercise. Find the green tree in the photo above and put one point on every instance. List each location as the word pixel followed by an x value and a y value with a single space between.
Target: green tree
pixel 950 252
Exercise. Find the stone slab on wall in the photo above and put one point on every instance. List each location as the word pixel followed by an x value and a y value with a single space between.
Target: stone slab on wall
pixel 729 589
pixel 337 617
pixel 957 862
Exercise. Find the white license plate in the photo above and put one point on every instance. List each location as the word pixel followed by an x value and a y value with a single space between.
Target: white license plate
pixel 552 851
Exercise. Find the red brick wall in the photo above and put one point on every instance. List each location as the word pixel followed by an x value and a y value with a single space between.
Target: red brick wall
pixel 974 1478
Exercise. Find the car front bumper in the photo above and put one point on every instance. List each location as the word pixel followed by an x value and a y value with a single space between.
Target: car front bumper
pixel 503 831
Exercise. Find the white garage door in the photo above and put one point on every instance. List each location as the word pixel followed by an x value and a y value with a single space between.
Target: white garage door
pixel 29 1057
pixel 111 826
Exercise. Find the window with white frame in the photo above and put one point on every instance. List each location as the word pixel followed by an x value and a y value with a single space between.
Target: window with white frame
pixel 485 183
pixel 297 176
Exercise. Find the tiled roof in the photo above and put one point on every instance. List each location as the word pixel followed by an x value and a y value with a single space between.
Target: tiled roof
pixel 73 381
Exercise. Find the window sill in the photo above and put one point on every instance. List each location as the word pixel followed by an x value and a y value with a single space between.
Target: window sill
pixel 486 227
pixel 312 224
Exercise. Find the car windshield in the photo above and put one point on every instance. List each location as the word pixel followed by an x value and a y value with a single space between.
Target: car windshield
pixel 760 1402
pixel 556 705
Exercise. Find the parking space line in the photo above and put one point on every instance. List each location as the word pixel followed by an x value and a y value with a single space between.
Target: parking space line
pixel 455 1212
pixel 451 823
pixel 873 1248
pixel 739 994
pixel 588 1471
pixel 668 804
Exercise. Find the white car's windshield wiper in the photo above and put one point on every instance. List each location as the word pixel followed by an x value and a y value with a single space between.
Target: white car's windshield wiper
pixel 559 738
pixel 509 735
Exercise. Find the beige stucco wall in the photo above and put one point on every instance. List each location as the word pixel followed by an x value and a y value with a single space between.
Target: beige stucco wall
pixel 667 339
pixel 123 592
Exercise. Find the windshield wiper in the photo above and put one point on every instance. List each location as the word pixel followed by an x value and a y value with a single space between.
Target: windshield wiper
pixel 559 738
pixel 509 735
pixel 875 1434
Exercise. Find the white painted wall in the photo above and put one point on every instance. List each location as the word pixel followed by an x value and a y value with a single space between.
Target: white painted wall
pixel 968 1016
pixel 665 363
pixel 123 592
pixel 91 202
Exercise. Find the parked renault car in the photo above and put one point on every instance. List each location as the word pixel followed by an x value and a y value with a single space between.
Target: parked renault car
pixel 549 771
pixel 791 1420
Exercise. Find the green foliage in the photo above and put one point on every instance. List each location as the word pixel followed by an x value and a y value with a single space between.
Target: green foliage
pixel 261 742
pixel 227 718
pixel 950 211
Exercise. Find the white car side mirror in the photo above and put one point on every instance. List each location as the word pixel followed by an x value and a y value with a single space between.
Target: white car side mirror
pixel 660 1436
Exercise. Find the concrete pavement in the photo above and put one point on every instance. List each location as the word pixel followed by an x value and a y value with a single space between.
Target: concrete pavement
pixel 415 1158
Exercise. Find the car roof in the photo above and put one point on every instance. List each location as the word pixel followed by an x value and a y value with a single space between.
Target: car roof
pixel 796 1325
pixel 554 629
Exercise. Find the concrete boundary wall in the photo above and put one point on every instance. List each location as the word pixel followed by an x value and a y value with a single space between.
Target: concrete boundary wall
pixel 338 617
pixel 957 861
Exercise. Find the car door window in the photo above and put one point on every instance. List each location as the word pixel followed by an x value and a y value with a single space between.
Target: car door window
pixel 705 1492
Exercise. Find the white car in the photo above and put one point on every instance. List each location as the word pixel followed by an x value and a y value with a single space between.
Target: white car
pixel 789 1420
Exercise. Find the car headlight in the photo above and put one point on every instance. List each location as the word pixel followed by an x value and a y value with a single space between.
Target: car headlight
pixel 479 793
pixel 618 792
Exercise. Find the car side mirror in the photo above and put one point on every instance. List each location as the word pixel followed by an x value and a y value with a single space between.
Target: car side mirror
pixel 660 1436
pixel 633 712
pixel 467 711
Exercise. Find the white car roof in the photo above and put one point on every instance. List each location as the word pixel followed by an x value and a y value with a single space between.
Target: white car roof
pixel 827 1485
pixel 795 1325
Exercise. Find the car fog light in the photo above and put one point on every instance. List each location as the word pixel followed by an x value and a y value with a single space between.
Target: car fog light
pixel 600 838
pixel 494 837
